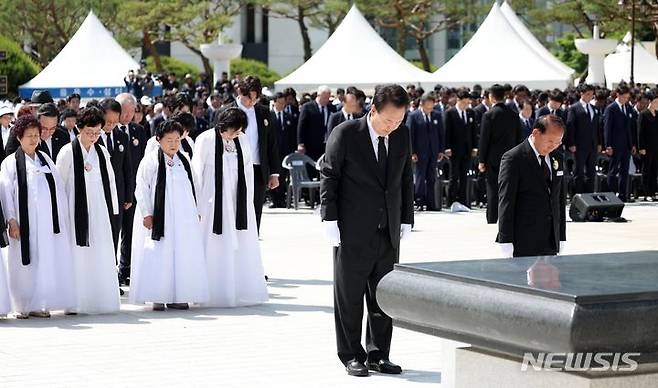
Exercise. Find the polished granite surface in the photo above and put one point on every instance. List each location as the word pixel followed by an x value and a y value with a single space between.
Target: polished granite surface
pixel 584 279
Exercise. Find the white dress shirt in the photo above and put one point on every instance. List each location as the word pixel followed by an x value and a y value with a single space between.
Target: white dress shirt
pixel 546 157
pixel 348 116
pixel 374 138
pixel 588 108
pixel 251 131
pixel 5 135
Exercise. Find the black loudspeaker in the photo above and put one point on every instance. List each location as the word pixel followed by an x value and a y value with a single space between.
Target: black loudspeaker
pixel 595 207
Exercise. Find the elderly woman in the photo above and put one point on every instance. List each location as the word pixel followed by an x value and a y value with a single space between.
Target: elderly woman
pixel 88 177
pixel 223 166
pixel 168 262
pixel 40 267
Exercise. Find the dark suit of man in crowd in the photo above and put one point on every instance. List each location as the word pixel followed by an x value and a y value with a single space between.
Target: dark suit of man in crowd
pixel 286 132
pixel 53 137
pixel 117 144
pixel 479 111
pixel 521 96
pixel 500 132
pixel 367 206
pixel 260 131
pixel 532 199
pixel 619 140
pixel 459 126
pixel 137 137
pixel 350 109
pixel 582 139
pixel 554 106
pixel 312 126
pixel 427 145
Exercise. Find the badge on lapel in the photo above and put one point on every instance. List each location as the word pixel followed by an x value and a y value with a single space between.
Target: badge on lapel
pixel 135 142
pixel 288 122
pixel 470 119
pixel 556 165
pixel 267 124
pixel 436 122
pixel 120 147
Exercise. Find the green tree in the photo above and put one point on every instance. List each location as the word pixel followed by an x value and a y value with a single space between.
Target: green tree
pixel 266 75
pixel 17 66
pixel 567 53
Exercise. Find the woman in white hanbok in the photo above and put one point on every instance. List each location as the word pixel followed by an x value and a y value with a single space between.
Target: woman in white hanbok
pixel 235 269
pixel 87 174
pixel 40 266
pixel 168 263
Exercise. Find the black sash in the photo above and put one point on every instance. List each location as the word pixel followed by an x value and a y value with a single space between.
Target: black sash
pixel 159 206
pixel 241 206
pixel 21 173
pixel 186 147
pixel 81 209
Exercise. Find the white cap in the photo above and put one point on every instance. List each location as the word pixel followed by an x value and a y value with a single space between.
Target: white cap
pixel 146 100
pixel 6 110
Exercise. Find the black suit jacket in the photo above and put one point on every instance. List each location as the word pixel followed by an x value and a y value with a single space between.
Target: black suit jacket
pixel 3 154
pixel 561 113
pixel 311 130
pixel 648 132
pixel 201 126
pixel 338 118
pixel 286 133
pixel 478 111
pixel 268 148
pixel 159 119
pixel 582 128
pixel 500 132
pixel 138 137
pixel 122 165
pixel 59 139
pixel 618 128
pixel 527 208
pixel 460 136
pixel 352 191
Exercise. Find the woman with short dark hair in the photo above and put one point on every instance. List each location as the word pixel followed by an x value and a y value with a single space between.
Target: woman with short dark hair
pixel 88 177
pixel 223 166
pixel 40 267
pixel 168 261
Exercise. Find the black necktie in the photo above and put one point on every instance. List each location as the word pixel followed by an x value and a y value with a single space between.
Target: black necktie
pixel 324 118
pixel 44 148
pixel 110 146
pixel 280 118
pixel 545 170
pixel 464 117
pixel 381 155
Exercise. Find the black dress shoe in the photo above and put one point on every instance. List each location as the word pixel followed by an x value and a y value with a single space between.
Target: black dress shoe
pixel 355 368
pixel 385 366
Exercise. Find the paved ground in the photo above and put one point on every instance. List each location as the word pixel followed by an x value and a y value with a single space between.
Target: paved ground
pixel 288 342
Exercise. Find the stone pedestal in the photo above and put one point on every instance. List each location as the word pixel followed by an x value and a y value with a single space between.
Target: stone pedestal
pixel 476 368
pixel 220 54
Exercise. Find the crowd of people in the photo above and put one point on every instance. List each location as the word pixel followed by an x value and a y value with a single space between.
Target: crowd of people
pixel 94 182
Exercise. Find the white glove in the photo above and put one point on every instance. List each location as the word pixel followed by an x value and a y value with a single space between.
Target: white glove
pixel 405 231
pixel 563 246
pixel 331 232
pixel 507 249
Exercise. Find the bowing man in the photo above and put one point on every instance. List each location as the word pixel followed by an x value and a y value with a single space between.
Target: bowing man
pixel 531 200
pixel 169 265
pixel 223 165
pixel 52 137
pixel 40 266
pixel 86 170
pixel 367 207
pixel 116 142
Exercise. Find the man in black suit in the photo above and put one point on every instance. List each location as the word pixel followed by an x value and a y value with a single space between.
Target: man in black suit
pixel 201 124
pixel 262 139
pixel 427 145
pixel 117 143
pixel 137 137
pixel 554 106
pixel 286 133
pixel 292 106
pixel 532 199
pixel 312 125
pixel 500 132
pixel 619 140
pixel 521 95
pixel 459 125
pixel 367 207
pixel 349 110
pixel 479 111
pixel 168 107
pixel 582 139
pixel 53 137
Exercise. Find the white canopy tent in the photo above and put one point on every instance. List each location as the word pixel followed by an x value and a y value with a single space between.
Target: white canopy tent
pixel 355 55
pixel 91 64
pixel 503 52
pixel 617 66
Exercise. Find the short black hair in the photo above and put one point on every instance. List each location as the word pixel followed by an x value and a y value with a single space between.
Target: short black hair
pixel 169 102
pixel 248 85
pixel 289 92
pixel 110 105
pixel 68 113
pixel 463 93
pixel 428 96
pixel 622 89
pixel 391 94
pixel 584 88
pixel 543 122
pixel 168 126
pixel 229 118
pixel 278 95
pixel 48 109
pixel 181 100
pixel 91 116
pixel 521 89
pixel 556 95
pixel 497 91
pixel 72 96
pixel 185 119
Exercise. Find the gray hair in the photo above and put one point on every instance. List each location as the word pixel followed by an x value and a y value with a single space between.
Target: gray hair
pixel 324 89
pixel 126 99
